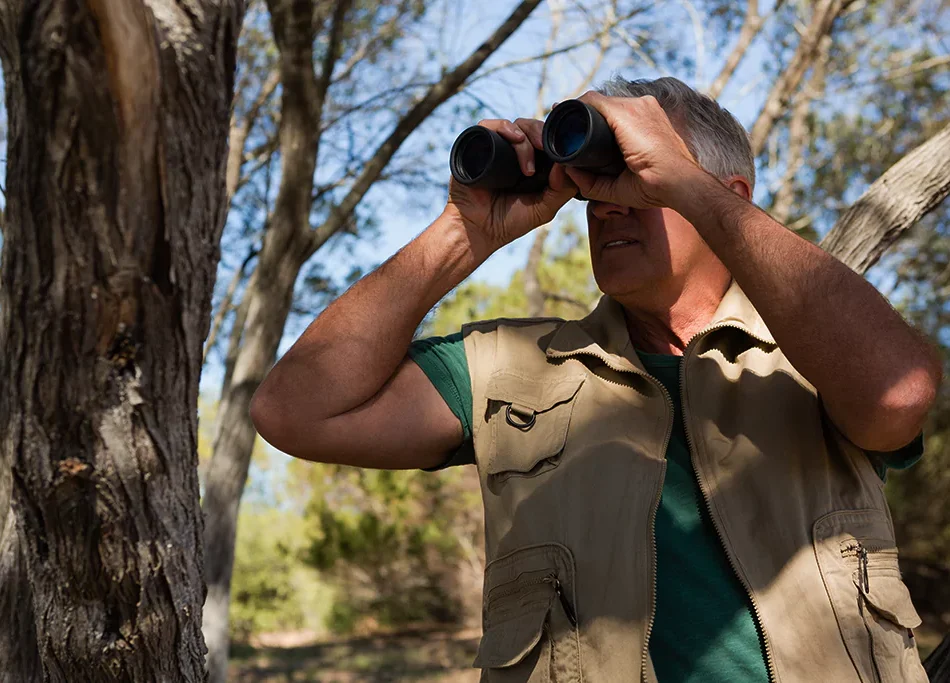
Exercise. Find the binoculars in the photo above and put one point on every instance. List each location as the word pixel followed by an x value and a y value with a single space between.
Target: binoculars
pixel 574 134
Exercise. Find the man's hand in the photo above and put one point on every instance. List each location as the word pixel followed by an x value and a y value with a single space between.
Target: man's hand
pixel 493 219
pixel 658 160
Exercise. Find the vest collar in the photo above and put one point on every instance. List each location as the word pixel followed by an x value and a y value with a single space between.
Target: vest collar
pixel 603 333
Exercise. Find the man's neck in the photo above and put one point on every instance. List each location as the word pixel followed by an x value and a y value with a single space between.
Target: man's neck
pixel 664 322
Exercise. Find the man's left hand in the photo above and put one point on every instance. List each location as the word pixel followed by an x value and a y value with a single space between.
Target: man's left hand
pixel 658 160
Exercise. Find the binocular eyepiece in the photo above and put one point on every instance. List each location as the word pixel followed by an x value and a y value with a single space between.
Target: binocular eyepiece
pixel 574 134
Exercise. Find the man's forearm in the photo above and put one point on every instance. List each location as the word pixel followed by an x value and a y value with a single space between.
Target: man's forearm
pixel 877 376
pixel 349 352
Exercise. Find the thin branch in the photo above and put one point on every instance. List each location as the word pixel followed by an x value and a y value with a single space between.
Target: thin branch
pixel 823 18
pixel 910 69
pixel 237 137
pixel 372 42
pixel 226 304
pixel 447 87
pixel 699 38
pixel 751 26
pixel 798 134
pixel 564 299
pixel 557 51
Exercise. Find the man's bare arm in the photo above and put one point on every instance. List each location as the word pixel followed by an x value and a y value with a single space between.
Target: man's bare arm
pixel 345 392
pixel 877 375
pixel 325 399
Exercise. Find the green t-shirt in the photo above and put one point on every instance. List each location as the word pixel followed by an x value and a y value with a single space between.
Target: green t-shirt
pixel 704 628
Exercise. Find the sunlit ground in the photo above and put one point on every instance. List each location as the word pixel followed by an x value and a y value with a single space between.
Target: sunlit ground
pixel 417 656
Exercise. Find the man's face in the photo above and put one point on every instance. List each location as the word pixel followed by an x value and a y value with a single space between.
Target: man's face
pixel 661 248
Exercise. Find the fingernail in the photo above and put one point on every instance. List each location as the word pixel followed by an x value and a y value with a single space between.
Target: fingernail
pixel 530 167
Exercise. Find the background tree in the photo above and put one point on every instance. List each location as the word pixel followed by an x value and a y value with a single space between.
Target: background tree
pixel 293 235
pixel 115 202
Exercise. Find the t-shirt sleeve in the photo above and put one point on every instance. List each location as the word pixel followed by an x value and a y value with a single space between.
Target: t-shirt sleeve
pixel 900 459
pixel 443 361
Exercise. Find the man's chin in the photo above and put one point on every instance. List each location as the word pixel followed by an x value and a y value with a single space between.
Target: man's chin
pixel 618 285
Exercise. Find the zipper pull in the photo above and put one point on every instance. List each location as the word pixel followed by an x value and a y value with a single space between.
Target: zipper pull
pixel 565 603
pixel 863 566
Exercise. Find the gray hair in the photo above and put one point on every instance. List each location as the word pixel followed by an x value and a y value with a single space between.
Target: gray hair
pixel 716 139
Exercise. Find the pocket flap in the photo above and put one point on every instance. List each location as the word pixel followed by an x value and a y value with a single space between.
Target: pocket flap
pixel 505 643
pixel 518 597
pixel 534 394
pixel 889 596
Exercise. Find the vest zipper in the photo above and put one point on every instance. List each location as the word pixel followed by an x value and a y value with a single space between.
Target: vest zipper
pixel 659 489
pixel 859 550
pixel 656 497
pixel 704 489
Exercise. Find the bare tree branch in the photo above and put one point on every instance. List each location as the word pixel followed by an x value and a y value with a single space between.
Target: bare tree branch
pixel 226 306
pixel 798 134
pixel 908 191
pixel 563 298
pixel 823 17
pixel 449 84
pixel 237 137
pixel 751 26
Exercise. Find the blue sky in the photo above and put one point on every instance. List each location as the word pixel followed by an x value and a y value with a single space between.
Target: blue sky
pixel 510 96
pixel 513 94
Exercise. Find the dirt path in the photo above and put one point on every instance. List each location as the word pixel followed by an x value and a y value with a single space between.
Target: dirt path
pixel 414 656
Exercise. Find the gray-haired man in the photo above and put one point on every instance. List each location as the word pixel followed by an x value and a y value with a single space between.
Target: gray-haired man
pixel 686 484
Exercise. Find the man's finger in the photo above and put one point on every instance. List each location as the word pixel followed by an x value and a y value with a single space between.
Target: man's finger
pixel 532 128
pixel 592 186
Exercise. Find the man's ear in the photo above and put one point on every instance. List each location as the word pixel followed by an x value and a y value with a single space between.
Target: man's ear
pixel 740 186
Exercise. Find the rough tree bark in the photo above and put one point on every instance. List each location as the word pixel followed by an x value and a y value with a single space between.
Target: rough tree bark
pixel 118 123
pixel 908 191
pixel 288 243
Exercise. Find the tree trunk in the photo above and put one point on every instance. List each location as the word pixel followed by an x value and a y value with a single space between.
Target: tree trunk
pixel 116 200
pixel 532 273
pixel 289 242
pixel 907 192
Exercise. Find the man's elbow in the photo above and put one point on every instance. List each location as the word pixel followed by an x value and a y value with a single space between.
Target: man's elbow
pixel 901 412
pixel 267 415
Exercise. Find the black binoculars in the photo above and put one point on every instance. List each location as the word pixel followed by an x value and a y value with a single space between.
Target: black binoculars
pixel 574 134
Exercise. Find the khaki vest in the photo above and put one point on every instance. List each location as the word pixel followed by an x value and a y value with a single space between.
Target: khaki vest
pixel 570 436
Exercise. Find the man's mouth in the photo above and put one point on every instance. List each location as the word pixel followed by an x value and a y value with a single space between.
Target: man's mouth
pixel 619 243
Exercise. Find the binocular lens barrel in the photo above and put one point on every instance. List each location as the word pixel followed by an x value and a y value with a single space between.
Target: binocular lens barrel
pixel 574 134
pixel 482 158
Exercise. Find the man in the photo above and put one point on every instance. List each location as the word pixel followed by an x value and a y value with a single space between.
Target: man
pixel 686 485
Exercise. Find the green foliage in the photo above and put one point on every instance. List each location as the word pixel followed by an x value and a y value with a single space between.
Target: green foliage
pixel 392 542
pixel 564 274
pixel 272 589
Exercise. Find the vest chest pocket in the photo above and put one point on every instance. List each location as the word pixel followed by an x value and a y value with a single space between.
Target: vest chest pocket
pixel 857 557
pixel 529 618
pixel 529 420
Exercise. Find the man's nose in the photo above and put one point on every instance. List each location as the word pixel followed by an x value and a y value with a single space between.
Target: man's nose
pixel 605 210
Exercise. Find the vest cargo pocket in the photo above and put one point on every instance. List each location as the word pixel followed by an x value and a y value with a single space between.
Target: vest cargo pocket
pixel 857 557
pixel 529 420
pixel 529 618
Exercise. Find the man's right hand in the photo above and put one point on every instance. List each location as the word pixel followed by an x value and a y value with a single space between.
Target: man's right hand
pixel 493 219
